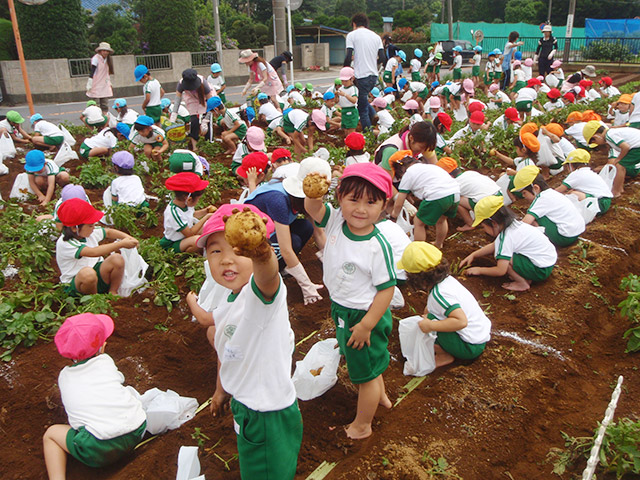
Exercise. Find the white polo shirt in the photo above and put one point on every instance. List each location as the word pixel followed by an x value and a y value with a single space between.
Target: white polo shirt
pixel 157 136
pixel 104 139
pixel 553 105
pixel 152 87
pixel 68 254
pixel 352 91
pixel 47 129
pixel 230 118
pixel 296 99
pixel 587 181
pixel 415 65
pixel 635 101
pixel 128 189
pixel 270 111
pixel 428 182
pixel 365 44
pixel 129 118
pixel 476 186
pixel 93 114
pixel 526 94
pixel 559 210
pixel 616 136
pixel 526 240
pixel 391 64
pixel 449 295
pixel 177 219
pixel 50 168
pixel 298 118
pixel 398 240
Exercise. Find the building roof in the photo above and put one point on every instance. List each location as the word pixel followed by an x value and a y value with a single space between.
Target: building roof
pixel 321 29
pixel 93 5
pixel 387 19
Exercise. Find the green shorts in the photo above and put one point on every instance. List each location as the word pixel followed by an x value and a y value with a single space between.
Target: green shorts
pixel 369 362
pixel 518 86
pixel 437 69
pixel 154 112
pixel 631 162
pixel 488 79
pixel 350 118
pixel 524 267
pixel 268 442
pixel 475 71
pixel 98 453
pixel 57 141
pixel 457 73
pixel 512 186
pixel 454 345
pixel 99 124
pixel 234 166
pixel 171 245
pixel 604 203
pixel 415 76
pixel 424 94
pixel 387 77
pixel 446 93
pixel 84 150
pixel 525 106
pixel 551 231
pixel 430 211
pixel 634 124
pixel 103 287
pixel 241 131
pixel 429 68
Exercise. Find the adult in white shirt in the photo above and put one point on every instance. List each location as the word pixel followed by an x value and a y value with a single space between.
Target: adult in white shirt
pixel 364 47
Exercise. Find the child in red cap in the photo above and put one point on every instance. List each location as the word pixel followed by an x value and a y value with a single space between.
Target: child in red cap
pixel 476 124
pixel 355 142
pixel 254 341
pixel 106 419
pixel 360 276
pixel 253 169
pixel 555 102
pixel 182 222
pixel 80 256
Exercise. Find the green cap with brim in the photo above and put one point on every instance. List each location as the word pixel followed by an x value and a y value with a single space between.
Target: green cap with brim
pixel 14 117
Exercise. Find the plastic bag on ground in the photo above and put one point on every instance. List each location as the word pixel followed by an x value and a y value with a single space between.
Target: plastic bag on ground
pixel 135 269
pixel 608 174
pixel 188 464
pixel 211 293
pixel 398 300
pixel 107 201
pixel 69 138
pixel 243 196
pixel 317 372
pixel 417 347
pixel 7 148
pixel 503 183
pixel 545 155
pixel 166 410
pixel 588 207
pixel 65 154
pixel 3 168
pixel 21 188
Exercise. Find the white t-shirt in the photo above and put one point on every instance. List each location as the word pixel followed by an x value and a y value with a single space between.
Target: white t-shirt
pixel 157 136
pixel 519 75
pixel 575 131
pixel 152 87
pixel 365 44
pixel 355 267
pixel 298 118
pixel 390 98
pixel 129 118
pixel 270 111
pixel 477 58
pixel 351 159
pixel 428 182
pixel 521 162
pixel 352 91
pixel 618 117
pixel 128 189
pixel 635 101
pixel 328 112
pixel 526 94
pixel 476 186
pixel 553 105
pixel 68 254
pixel 417 87
pixel 457 61
pixel 593 94
pixel 391 64
pixel 449 295
pixel 398 241
pixel 526 240
pixel 615 136
pixel 47 129
pixel 566 146
pixel 177 219
pixel 500 122
pixel 296 99
pixel 216 83
pixel 94 397
pixel 230 118
pixel 587 181
pixel 559 210
pixel 440 141
pixel 93 114
pixel 610 91
pixel 527 72
pixel 50 168
pixel 385 120
pixel 103 139
pixel 415 65
pixel 242 150
pixel 254 342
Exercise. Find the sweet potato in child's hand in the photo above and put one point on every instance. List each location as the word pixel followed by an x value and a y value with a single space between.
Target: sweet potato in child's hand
pixel 315 185
pixel 246 232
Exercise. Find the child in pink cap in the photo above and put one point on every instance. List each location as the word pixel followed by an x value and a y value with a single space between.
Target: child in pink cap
pixel 348 101
pixel 360 276
pixel 251 333
pixel 252 142
pixel 106 419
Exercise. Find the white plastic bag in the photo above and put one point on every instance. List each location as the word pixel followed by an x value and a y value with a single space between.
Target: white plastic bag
pixel 211 293
pixel 404 222
pixel 65 154
pixel 188 464
pixel 21 188
pixel 166 410
pixel 243 196
pixel 7 148
pixel 503 183
pixel 134 270
pixel 397 301
pixel 68 138
pixel 588 207
pixel 111 120
pixel 551 80
pixel 608 174
pixel 545 154
pixel 323 359
pixel 417 347
pixel 461 113
pixel 107 201
pixel 3 168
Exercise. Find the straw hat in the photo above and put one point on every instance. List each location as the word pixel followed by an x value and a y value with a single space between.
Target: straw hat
pixel 247 56
pixel 104 46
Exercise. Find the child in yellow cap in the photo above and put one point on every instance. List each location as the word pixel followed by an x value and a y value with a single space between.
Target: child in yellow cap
pixel 521 250
pixel 625 149
pixel 562 222
pixel 452 312
pixel 584 182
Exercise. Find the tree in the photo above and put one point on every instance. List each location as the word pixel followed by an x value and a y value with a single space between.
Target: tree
pixel 526 11
pixel 113 24
pixel 349 8
pixel 169 26
pixel 56 29
pixel 7 42
pixel 375 20
pixel 411 18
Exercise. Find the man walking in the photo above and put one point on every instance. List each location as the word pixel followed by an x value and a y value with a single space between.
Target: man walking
pixel 367 48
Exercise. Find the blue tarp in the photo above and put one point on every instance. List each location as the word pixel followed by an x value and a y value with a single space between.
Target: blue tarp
pixel 613 28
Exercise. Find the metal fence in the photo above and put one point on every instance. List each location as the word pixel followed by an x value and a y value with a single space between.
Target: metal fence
pixel 160 61
pixel 203 59
pixel 79 67
pixel 592 50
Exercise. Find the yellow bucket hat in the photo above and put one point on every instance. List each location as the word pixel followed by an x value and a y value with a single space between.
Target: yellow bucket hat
pixel 420 257
pixel 525 177
pixel 579 155
pixel 486 207
pixel 589 129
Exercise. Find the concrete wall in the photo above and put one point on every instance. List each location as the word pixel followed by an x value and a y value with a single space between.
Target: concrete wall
pixel 312 54
pixel 50 79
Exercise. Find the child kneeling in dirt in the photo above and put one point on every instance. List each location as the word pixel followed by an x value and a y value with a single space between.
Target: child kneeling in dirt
pixel 254 341
pixel 452 311
pixel 521 250
pixel 106 419
pixel 80 256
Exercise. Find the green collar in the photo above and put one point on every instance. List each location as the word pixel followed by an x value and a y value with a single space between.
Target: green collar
pixel 232 297
pixel 184 209
pixel 358 238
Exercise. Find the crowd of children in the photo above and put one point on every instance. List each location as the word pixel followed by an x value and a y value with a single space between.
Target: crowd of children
pixel 365 254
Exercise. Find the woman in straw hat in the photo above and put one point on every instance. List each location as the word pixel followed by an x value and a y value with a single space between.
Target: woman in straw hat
pixel 262 73
pixel 99 83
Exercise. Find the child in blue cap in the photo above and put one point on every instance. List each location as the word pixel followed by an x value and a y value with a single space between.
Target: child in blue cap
pixel 235 128
pixel 475 70
pixel 46 134
pixel 152 92
pixel 216 82
pixel 416 65
pixel 334 118
pixel 125 115
pixel 43 174
pixel 457 63
pixel 102 143
pixel 150 136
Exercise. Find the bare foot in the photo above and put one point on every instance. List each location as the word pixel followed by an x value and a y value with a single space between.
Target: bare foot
pixel 443 358
pixel 516 286
pixel 465 228
pixel 358 434
pixel 385 402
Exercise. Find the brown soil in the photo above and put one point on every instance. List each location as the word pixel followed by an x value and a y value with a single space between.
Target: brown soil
pixel 496 417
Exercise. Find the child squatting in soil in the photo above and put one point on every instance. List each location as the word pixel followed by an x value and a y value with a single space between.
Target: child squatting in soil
pixel 360 277
pixel 106 420
pixel 254 341
pixel 452 312
pixel 44 174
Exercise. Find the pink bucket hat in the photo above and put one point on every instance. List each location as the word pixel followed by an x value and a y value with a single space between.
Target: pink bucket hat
pixel 411 105
pixel 255 138
pixel 379 102
pixel 528 62
pixel 434 102
pixel 556 64
pixel 346 73
pixel 517 63
pixel 494 87
pixel 216 222
pixel 319 119
pixel 81 336
pixel 372 173
pixel 467 85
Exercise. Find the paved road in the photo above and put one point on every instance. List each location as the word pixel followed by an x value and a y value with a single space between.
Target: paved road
pixel 70 112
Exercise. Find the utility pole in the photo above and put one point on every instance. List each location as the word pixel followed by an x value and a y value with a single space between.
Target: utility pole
pixel 23 64
pixel 450 8
pixel 549 12
pixel 567 40
pixel 280 25
pixel 216 25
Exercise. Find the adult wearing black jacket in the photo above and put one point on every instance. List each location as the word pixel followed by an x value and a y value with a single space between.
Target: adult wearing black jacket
pixel 547 47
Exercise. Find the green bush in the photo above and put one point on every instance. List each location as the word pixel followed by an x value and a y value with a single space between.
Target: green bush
pixel 169 26
pixel 56 29
pixel 604 50
pixel 7 42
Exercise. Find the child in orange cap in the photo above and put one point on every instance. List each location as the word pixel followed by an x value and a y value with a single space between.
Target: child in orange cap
pixel 182 222
pixel 79 254
pixel 527 148
pixel 575 124
pixel 106 419
pixel 619 110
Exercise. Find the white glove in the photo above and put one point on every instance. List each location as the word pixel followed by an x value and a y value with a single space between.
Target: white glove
pixel 553 52
pixel 173 117
pixel 408 206
pixel 254 91
pixel 309 289
pixel 535 58
pixel 89 84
